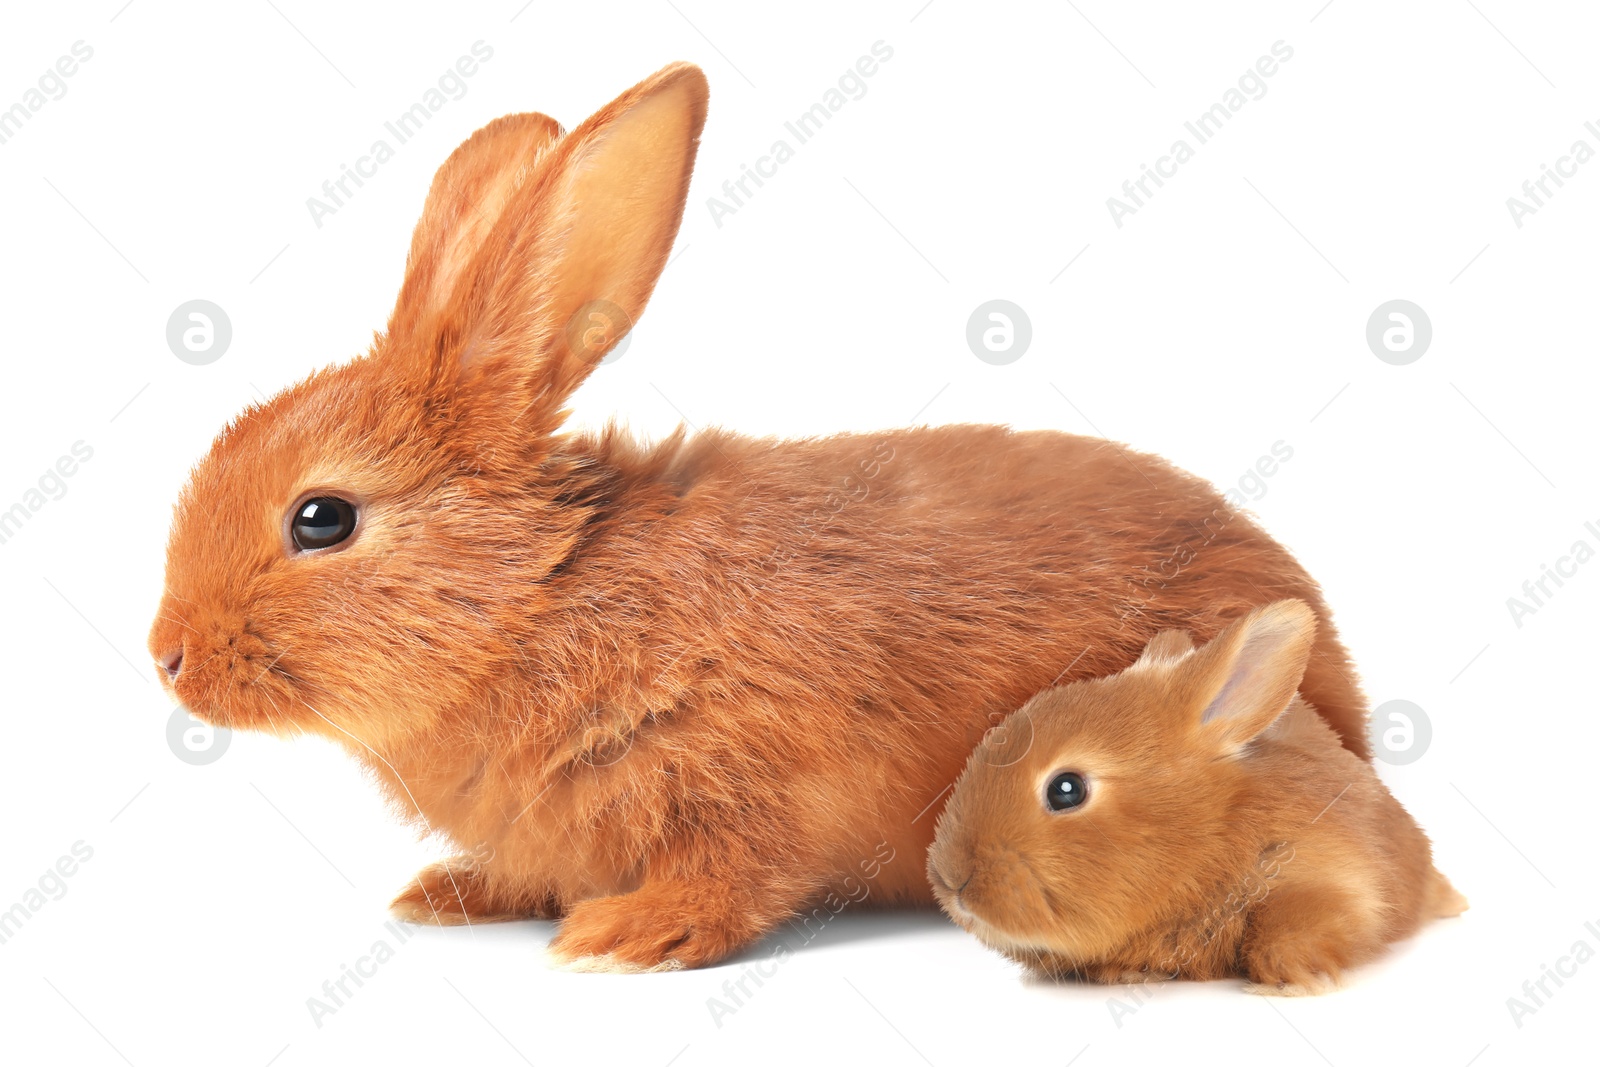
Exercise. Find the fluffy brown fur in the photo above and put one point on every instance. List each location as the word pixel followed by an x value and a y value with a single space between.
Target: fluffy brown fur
pixel 667 691
pixel 1225 830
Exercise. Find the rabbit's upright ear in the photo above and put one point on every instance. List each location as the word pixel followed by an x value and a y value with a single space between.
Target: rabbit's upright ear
pixel 468 196
pixel 1245 678
pixel 537 252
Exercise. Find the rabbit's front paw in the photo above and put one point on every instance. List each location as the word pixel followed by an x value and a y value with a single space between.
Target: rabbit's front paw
pixel 455 893
pixel 663 926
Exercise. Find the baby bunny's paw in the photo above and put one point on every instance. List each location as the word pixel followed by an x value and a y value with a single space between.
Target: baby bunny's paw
pixel 1301 968
pixel 609 963
pixel 1315 986
pixel 1120 974
pixel 664 926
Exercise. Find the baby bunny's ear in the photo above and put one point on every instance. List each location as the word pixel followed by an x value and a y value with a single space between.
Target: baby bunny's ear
pixel 1165 649
pixel 1245 678
pixel 537 252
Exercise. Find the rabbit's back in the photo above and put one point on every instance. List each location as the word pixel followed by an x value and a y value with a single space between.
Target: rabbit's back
pixel 843 618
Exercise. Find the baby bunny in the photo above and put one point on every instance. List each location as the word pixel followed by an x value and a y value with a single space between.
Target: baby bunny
pixel 668 692
pixel 1189 817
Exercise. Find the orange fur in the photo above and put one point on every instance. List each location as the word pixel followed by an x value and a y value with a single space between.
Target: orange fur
pixel 664 690
pixel 1226 831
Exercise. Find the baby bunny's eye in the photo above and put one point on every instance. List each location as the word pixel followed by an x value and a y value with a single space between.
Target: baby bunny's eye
pixel 1066 790
pixel 322 521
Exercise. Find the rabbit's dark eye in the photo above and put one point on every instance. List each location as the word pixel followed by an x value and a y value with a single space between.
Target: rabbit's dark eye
pixel 322 521
pixel 1066 790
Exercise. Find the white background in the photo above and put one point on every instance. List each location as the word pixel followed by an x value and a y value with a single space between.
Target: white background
pixel 1226 315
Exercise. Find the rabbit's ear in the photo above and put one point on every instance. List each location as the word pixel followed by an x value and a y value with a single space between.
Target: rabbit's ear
pixel 1245 678
pixel 1165 649
pixel 581 230
pixel 468 196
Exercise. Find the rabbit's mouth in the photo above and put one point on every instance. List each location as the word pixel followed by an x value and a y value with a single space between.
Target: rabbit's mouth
pixel 996 936
pixel 1026 940
pixel 234 680
pixel 996 897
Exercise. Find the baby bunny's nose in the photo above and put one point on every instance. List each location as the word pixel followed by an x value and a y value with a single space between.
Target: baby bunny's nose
pixel 171 662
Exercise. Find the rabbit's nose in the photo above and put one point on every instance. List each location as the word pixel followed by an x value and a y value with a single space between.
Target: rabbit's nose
pixel 171 662
pixel 961 905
